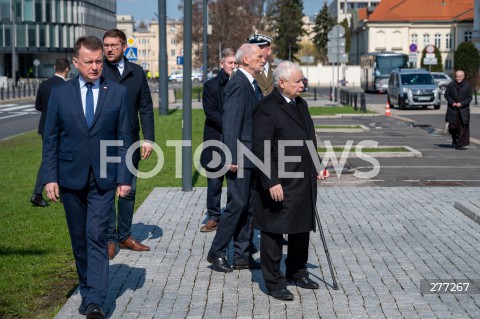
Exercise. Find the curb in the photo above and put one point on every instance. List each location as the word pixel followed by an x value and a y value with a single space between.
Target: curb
pixel 470 210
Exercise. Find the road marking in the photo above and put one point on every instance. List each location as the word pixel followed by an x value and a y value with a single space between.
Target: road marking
pixel 13 115
pixel 7 105
pixel 18 107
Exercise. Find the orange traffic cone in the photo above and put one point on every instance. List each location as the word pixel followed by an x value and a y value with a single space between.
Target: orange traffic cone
pixel 387 109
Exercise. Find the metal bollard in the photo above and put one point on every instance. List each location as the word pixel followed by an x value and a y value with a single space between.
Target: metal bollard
pixel 331 93
pixel 198 96
pixel 348 98
pixel 355 98
pixel 363 103
pixel 315 93
pixel 1 93
pixel 335 94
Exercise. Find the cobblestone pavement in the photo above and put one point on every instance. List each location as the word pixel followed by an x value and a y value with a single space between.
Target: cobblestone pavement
pixel 382 241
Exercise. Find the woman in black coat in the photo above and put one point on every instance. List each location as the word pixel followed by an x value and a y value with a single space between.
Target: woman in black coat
pixel 285 204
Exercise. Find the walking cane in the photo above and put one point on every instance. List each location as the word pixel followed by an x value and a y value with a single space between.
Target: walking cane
pixel 335 286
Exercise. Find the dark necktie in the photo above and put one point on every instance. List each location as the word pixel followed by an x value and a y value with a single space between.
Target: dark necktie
pixel 297 109
pixel 118 69
pixel 89 110
pixel 258 92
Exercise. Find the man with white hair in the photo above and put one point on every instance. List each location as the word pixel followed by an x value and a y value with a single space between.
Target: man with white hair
pixel 285 204
pixel 241 95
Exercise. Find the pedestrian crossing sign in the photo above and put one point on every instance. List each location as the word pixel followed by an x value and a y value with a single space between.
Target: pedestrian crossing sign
pixel 131 53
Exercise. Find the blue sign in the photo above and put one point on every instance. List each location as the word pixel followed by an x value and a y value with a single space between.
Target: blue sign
pixel 180 60
pixel 131 53
pixel 413 47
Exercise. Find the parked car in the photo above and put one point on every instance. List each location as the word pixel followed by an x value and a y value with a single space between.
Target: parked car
pixel 442 79
pixel 412 87
pixel 178 77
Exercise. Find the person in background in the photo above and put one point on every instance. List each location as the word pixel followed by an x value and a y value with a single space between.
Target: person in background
pixel 458 95
pixel 265 78
pixel 213 108
pixel 82 114
pixel 119 69
pixel 285 204
pixel 62 68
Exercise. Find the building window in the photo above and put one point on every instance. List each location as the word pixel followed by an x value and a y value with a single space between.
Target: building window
pixel 414 38
pixel 468 36
pixel 172 53
pixel 426 39
pixel 28 10
pixel 38 11
pixel 173 41
pixel 32 35
pixel 448 41
pixel 448 64
pixel 438 40
pixel 173 29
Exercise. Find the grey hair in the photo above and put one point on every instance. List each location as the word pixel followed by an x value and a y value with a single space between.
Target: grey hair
pixel 245 50
pixel 227 52
pixel 284 71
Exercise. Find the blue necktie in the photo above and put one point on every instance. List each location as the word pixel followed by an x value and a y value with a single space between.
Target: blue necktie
pixel 89 111
pixel 258 93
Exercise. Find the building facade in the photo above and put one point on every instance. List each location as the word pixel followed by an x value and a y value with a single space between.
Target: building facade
pixel 148 46
pixel 336 9
pixel 393 27
pixel 45 30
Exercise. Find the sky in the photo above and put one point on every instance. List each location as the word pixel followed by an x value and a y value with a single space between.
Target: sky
pixel 144 10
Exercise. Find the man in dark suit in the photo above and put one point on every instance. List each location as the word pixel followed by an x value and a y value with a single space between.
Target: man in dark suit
pixel 458 95
pixel 61 67
pixel 213 108
pixel 241 95
pixel 86 116
pixel 265 78
pixel 117 68
pixel 285 204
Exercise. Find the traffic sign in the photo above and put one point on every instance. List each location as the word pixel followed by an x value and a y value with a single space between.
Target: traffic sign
pixel 36 62
pixel 413 47
pixel 337 32
pixel 131 53
pixel 131 41
pixel 337 58
pixel 430 48
pixel 430 61
pixel 180 60
pixel 413 57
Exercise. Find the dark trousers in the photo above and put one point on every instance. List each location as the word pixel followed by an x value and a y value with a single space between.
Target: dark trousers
pixel 271 246
pixel 459 131
pixel 87 212
pixel 236 219
pixel 120 223
pixel 38 190
pixel 214 195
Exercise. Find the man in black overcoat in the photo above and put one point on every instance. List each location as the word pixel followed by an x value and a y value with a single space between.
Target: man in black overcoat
pixel 241 95
pixel 213 108
pixel 458 95
pixel 117 68
pixel 62 68
pixel 285 204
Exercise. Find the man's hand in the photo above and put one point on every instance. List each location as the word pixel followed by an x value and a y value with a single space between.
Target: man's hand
pixel 324 174
pixel 146 150
pixel 233 168
pixel 276 192
pixel 123 190
pixel 53 191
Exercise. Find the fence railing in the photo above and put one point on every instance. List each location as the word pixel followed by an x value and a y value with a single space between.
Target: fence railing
pixel 22 89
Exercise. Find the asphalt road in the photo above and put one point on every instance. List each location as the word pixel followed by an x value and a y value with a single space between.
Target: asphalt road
pixel 17 118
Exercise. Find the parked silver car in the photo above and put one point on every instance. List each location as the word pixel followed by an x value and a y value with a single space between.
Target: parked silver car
pixel 412 87
pixel 442 79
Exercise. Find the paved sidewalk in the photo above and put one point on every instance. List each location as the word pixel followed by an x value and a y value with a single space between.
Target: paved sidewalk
pixel 382 242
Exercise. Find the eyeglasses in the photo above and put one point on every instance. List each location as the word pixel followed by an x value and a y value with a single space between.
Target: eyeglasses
pixel 113 46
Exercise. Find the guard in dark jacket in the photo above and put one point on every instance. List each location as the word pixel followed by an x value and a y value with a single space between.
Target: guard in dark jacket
pixel 459 95
pixel 62 68
pixel 285 204
pixel 131 75
pixel 213 108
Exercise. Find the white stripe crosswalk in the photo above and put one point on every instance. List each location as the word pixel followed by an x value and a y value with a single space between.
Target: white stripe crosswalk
pixel 13 110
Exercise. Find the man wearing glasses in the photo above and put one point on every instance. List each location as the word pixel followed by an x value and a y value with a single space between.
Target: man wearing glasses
pixel 131 75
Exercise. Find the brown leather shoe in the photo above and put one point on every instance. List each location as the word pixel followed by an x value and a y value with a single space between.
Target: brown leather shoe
pixel 112 250
pixel 211 225
pixel 132 244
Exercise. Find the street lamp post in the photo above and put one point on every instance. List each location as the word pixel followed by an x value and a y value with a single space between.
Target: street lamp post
pixel 162 58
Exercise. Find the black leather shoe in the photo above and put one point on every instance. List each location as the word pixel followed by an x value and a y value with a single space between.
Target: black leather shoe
pixel 37 200
pixel 460 148
pixel 219 264
pixel 281 294
pixel 94 311
pixel 253 249
pixel 304 282
pixel 83 307
pixel 239 264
